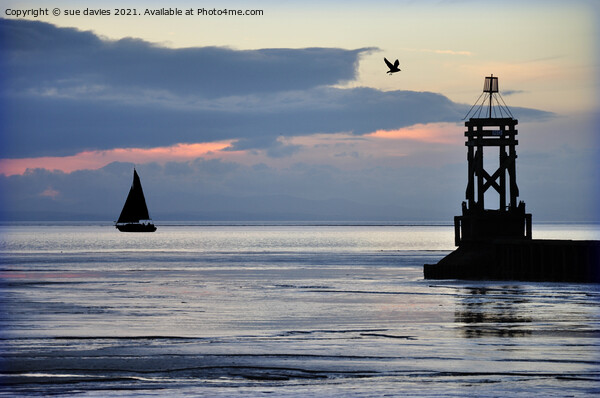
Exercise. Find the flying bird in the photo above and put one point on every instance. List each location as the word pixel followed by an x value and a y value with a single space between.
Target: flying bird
pixel 393 68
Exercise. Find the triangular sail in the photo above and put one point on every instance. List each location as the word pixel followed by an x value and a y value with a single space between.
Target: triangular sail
pixel 135 208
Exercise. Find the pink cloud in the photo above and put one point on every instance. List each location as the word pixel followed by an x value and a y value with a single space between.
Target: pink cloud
pixel 51 193
pixel 438 133
pixel 341 149
pixel 97 159
pixel 429 144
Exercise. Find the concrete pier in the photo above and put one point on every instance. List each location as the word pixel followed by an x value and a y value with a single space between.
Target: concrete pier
pixel 524 260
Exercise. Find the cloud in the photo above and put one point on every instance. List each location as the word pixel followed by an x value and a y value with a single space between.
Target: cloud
pixel 444 133
pixel 98 159
pixel 51 193
pixel 513 92
pixel 64 126
pixel 40 56
pixel 217 133
pixel 444 52
pixel 216 189
pixel 68 91
pixel 325 189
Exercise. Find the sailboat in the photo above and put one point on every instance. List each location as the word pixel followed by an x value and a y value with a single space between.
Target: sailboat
pixel 134 216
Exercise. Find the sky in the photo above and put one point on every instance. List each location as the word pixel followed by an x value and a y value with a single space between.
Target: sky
pixel 290 115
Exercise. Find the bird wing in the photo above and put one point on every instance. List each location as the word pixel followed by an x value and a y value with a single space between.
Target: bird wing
pixel 388 63
pixel 396 64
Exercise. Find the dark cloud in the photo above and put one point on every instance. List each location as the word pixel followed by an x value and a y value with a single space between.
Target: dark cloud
pixel 219 190
pixel 67 91
pixel 50 126
pixel 40 56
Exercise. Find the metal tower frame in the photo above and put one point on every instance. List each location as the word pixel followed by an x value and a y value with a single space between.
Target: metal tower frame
pixel 510 220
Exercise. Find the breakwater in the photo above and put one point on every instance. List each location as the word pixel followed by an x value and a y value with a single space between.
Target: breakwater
pixel 523 260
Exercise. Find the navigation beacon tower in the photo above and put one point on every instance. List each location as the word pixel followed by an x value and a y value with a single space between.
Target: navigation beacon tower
pixel 496 244
pixel 494 129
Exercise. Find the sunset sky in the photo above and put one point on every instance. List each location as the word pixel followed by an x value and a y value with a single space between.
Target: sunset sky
pixel 290 114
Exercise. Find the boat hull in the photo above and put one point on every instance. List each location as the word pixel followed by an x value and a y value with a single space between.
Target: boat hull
pixel 135 227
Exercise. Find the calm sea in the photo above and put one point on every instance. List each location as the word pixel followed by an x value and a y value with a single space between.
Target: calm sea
pixel 281 310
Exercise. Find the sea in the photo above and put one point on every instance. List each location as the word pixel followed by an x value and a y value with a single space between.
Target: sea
pixel 282 310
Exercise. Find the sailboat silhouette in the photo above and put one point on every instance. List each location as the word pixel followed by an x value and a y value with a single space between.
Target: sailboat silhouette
pixel 134 216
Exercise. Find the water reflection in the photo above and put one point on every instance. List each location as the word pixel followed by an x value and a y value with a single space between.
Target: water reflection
pixel 497 312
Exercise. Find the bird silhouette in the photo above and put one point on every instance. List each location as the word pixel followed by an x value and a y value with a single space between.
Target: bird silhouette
pixel 393 68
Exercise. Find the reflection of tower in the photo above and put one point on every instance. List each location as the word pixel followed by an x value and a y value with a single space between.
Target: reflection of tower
pixel 485 312
pixel 496 130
